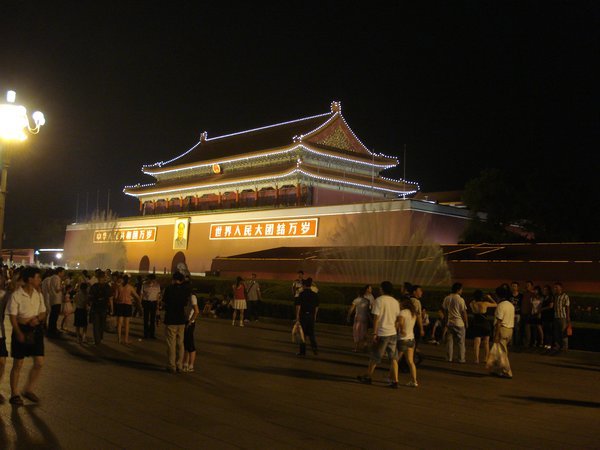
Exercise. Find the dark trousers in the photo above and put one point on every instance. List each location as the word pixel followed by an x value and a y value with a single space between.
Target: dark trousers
pixel 53 319
pixel 98 320
pixel 149 318
pixel 253 309
pixel 307 321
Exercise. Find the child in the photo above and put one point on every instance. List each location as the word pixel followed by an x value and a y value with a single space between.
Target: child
pixel 81 313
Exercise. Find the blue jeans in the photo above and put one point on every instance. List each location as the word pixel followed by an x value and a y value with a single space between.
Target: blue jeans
pixel 456 335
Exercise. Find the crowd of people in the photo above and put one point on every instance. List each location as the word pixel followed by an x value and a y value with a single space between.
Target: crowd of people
pixel 384 324
pixel 536 318
pixel 35 302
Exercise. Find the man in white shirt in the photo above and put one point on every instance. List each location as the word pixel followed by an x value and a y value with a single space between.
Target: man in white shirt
pixel 27 314
pixel 455 316
pixel 386 315
pixel 55 290
pixel 562 318
pixel 504 322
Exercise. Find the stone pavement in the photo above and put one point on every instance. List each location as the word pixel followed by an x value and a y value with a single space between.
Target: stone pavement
pixel 251 391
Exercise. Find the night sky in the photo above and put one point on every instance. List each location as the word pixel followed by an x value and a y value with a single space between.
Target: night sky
pixel 466 86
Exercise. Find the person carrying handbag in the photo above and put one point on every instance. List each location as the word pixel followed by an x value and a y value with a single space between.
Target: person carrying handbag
pixel 498 363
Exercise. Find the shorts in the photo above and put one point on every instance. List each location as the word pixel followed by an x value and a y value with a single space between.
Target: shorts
pixel 188 338
pixel 123 310
pixel 3 351
pixel 80 318
pixel 385 344
pixel 405 344
pixel 33 346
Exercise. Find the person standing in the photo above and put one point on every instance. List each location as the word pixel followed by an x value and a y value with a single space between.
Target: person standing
pixel 175 299
pixel 150 298
pixel 535 318
pixel 548 316
pixel 498 363
pixel 481 328
pixel 189 344
pixel 101 303
pixel 239 300
pixel 415 294
pixel 516 298
pixel 126 295
pixel 81 313
pixel 455 316
pixel 361 307
pixel 528 295
pixel 307 307
pixel 562 318
pixel 27 314
pixel 386 320
pixel 254 298
pixel 55 293
pixel 297 284
pixel 4 295
pixel 46 289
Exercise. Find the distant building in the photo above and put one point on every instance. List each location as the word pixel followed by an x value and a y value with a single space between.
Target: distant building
pixel 304 182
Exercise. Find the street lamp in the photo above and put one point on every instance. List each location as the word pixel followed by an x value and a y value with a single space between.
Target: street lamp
pixel 14 126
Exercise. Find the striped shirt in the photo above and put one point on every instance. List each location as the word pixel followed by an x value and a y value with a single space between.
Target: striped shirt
pixel 561 304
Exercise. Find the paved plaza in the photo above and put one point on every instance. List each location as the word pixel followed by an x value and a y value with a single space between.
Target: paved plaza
pixel 251 391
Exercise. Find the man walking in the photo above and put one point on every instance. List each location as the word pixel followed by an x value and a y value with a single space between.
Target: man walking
pixel 562 318
pixel 455 315
pixel 175 299
pixel 254 297
pixel 101 302
pixel 386 320
pixel 150 297
pixel 307 307
pixel 55 293
pixel 27 314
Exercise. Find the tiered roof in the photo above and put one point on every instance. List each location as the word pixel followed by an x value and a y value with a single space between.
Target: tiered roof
pixel 325 135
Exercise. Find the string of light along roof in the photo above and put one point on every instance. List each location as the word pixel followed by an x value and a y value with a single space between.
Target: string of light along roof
pixel 162 163
pixel 289 150
pixel 298 169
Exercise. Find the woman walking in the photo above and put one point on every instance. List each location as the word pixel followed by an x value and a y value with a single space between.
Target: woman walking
pixel 361 307
pixel 481 327
pixel 406 338
pixel 124 308
pixel 239 300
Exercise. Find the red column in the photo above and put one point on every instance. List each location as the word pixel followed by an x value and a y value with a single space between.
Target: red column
pixel 298 194
pixel 276 196
pixel 237 198
pixel 141 207
pixel 220 200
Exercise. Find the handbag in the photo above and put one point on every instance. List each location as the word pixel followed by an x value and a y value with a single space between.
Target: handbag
pixel 569 330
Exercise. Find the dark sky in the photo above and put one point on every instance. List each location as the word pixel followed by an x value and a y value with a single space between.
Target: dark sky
pixel 466 86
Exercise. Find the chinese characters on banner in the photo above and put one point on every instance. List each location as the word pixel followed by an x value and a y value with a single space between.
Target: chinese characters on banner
pixel 265 229
pixel 146 234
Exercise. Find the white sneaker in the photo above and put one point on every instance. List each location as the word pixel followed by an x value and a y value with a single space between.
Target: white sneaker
pixel 412 384
pixel 241 324
pixel 190 369
pixel 185 368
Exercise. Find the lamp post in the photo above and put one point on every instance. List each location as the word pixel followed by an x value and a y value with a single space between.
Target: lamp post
pixel 14 126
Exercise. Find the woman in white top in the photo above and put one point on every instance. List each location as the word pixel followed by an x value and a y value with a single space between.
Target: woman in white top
pixel 406 338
